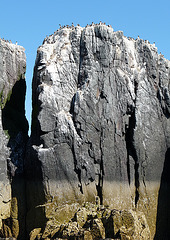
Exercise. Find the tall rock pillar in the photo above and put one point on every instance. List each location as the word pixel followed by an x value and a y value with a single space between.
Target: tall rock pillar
pixel 100 127
pixel 13 137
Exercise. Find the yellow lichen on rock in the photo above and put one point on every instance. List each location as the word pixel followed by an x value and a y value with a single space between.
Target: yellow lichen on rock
pixel 51 228
pixel 63 213
pixel 14 208
pixel 15 227
pixel 81 216
pixel 92 222
pixel 14 217
pixel 87 235
pixel 7 231
pixel 34 233
pixel 98 230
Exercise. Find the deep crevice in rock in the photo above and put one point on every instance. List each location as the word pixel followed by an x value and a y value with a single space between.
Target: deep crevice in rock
pixel 79 83
pixel 99 186
pixel 131 151
pixel 77 170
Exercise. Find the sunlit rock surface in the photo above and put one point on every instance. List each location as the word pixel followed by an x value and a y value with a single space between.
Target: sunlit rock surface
pixel 92 222
pixel 100 125
pixel 13 134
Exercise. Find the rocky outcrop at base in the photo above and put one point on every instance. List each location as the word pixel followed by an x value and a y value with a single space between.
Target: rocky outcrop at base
pixel 92 222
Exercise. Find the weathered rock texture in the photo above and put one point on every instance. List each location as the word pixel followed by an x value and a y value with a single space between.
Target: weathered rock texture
pixel 100 127
pixel 13 135
pixel 92 222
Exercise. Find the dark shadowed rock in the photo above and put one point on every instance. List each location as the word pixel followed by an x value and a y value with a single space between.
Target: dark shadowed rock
pixel 100 122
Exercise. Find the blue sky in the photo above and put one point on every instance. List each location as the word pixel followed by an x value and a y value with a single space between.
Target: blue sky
pixel 28 23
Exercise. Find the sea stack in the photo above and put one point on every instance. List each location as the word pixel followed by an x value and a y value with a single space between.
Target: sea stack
pixel 100 126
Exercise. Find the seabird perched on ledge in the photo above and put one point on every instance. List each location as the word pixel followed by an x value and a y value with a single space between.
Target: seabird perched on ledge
pixel 161 54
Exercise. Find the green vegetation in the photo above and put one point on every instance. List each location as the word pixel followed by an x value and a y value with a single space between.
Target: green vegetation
pixel 1 99
pixel 7 134
pixel 4 100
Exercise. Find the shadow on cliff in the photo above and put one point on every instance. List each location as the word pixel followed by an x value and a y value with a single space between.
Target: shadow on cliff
pixel 35 191
pixel 163 209
pixel 15 127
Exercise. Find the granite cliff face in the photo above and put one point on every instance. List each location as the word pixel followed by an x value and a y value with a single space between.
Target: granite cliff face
pixel 97 163
pixel 13 137
pixel 100 126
